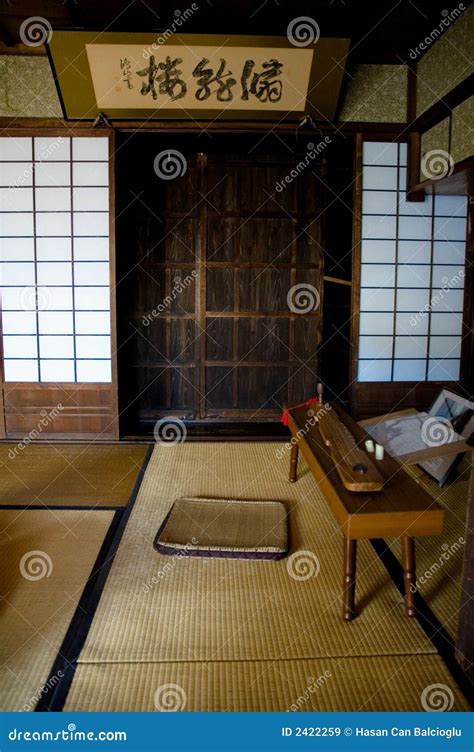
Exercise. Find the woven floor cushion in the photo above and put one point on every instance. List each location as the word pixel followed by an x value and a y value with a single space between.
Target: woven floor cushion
pixel 225 528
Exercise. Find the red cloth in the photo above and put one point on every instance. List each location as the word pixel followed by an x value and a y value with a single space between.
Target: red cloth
pixel 284 417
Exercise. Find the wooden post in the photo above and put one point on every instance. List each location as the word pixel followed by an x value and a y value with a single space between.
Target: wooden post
pixel 350 558
pixel 409 575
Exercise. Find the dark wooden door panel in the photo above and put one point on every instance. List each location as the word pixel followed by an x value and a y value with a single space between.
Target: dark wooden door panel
pixel 264 339
pixel 208 268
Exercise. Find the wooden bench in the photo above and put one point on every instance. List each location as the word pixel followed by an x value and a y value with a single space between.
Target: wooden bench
pixel 402 509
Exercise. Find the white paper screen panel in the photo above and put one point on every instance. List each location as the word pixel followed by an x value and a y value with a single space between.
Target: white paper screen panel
pixel 54 259
pixel 412 275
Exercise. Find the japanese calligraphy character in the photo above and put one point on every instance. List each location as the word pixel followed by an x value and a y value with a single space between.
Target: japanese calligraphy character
pixel 169 81
pixel 205 78
pixel 126 68
pixel 264 85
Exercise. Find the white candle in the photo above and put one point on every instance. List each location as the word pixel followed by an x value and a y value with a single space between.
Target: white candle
pixel 369 445
pixel 378 452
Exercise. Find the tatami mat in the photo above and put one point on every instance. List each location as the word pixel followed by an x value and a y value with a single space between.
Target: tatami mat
pixel 440 559
pixel 69 474
pixel 46 558
pixel 157 608
pixel 351 684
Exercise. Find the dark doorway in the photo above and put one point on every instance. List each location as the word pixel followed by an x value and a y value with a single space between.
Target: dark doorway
pixel 208 329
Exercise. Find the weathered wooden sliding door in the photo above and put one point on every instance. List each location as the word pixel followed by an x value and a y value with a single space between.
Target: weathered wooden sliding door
pixel 219 284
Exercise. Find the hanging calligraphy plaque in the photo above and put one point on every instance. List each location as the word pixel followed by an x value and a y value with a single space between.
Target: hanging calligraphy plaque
pixel 140 76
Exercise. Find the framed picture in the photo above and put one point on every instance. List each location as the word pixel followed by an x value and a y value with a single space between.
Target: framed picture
pixel 196 76
pixel 434 440
pixel 459 412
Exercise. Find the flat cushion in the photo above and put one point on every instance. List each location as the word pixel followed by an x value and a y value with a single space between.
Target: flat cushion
pixel 229 528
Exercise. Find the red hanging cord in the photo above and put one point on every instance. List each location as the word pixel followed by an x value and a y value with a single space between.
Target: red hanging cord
pixel 308 403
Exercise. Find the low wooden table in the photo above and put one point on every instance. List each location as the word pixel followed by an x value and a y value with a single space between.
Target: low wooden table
pixel 403 509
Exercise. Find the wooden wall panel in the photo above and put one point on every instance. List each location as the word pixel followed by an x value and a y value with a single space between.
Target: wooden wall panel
pixel 64 411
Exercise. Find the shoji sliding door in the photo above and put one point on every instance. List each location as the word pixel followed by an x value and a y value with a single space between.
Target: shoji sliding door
pixel 57 312
pixel 410 276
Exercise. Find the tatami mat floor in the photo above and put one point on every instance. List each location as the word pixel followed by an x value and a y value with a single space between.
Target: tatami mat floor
pixel 211 626
pixel 324 684
pixel 212 634
pixel 98 475
pixel 440 558
pixel 47 557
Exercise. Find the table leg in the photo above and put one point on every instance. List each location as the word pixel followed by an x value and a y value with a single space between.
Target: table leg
pixel 294 463
pixel 409 575
pixel 350 556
